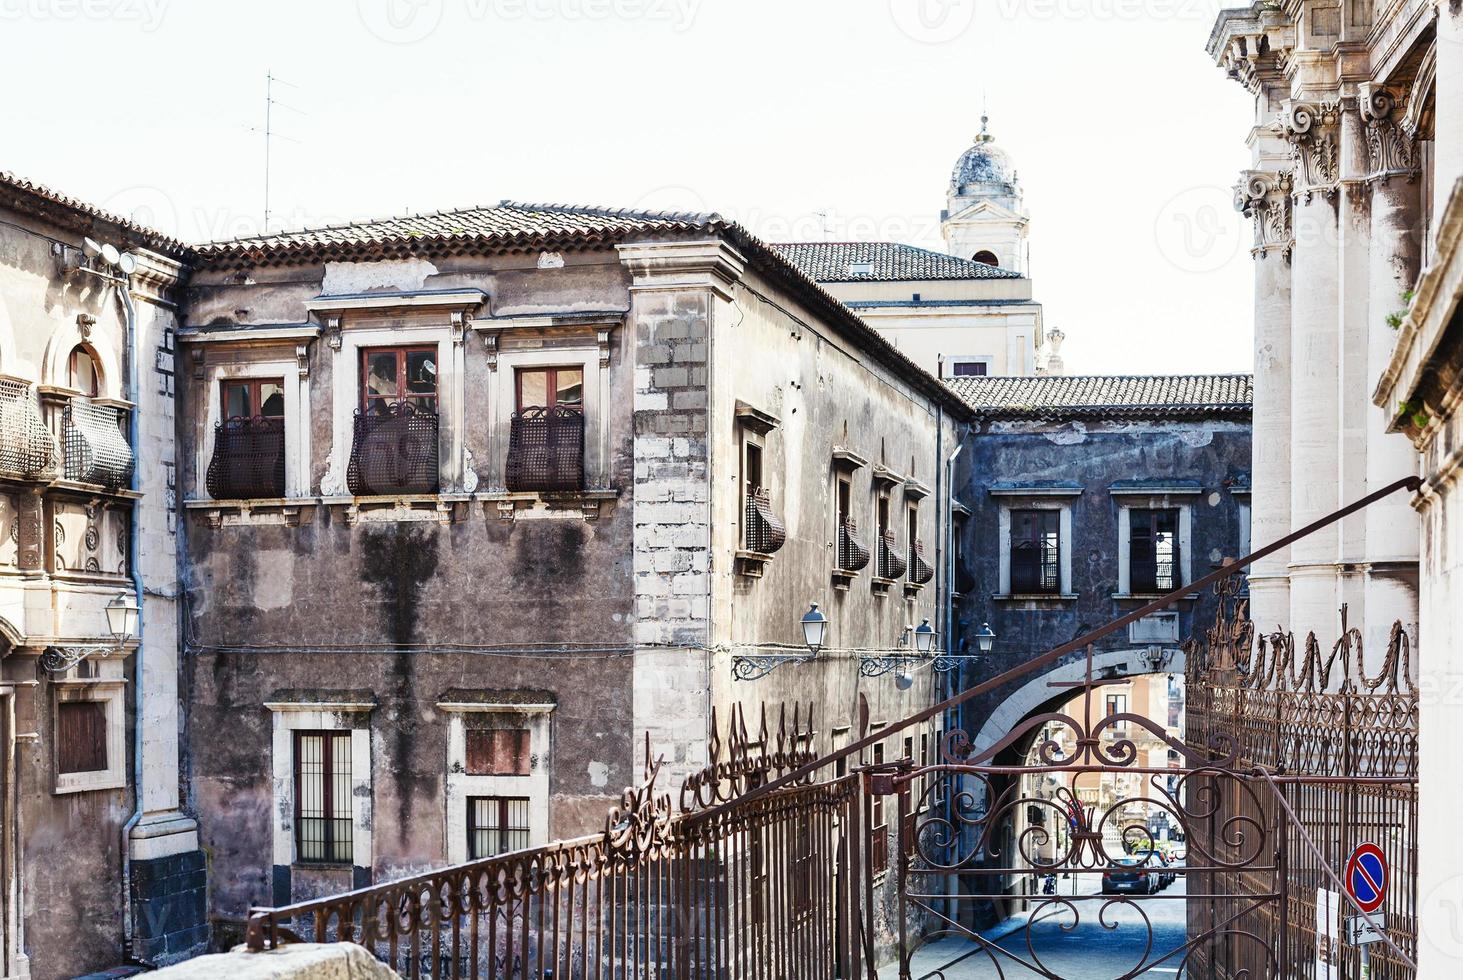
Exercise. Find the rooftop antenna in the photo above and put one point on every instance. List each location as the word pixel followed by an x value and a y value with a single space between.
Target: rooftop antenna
pixel 270 80
pixel 823 218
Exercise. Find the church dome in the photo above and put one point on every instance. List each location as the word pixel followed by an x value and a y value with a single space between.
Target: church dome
pixel 984 168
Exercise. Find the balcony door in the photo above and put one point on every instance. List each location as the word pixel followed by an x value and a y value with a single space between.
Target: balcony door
pixel 546 437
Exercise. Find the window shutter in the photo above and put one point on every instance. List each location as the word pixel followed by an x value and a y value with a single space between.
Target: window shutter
pixel 81 736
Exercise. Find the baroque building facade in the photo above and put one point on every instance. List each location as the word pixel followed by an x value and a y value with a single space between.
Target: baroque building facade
pixel 95 851
pixel 1357 192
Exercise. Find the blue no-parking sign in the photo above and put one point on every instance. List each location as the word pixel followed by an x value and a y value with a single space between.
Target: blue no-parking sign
pixel 1366 877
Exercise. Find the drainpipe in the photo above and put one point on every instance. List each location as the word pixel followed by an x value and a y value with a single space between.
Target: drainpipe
pixel 951 678
pixel 129 352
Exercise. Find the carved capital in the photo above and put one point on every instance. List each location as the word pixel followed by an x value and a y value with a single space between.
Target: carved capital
pixel 1390 149
pixel 490 344
pixel 332 330
pixel 1313 131
pixel 302 360
pixel 1264 197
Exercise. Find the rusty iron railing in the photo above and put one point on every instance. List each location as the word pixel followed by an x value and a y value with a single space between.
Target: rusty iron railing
pixel 769 829
pixel 27 447
pixel 852 555
pixel 765 533
pixel 248 459
pixel 394 450
pixel 96 451
pixel 546 450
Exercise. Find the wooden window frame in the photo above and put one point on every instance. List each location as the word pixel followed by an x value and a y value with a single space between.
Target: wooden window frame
pixel 1149 580
pixel 502 828
pixel 402 395
pixel 327 795
pixel 255 387
pixel 110 692
pixel 551 385
pixel 96 371
pixel 96 750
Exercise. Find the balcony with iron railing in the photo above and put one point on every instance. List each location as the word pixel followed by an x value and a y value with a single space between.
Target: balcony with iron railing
pixel 95 450
pixel 891 564
pixel 852 556
pixel 394 451
pixel 763 532
pixel 546 450
pixel 248 459
pixel 27 447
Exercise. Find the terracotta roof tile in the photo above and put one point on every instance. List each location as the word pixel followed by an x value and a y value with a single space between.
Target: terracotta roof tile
pixel 79 216
pixel 886 262
pixel 1087 396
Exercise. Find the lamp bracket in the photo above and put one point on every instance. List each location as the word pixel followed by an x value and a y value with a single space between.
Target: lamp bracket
pixel 751 667
pixel 58 660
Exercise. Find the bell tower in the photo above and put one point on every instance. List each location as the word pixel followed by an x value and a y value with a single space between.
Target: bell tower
pixel 984 217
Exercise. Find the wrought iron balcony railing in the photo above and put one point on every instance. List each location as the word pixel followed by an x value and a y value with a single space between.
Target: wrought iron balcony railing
pixel 394 451
pixel 920 571
pixel 765 532
pixel 248 459
pixel 27 447
pixel 852 555
pixel 546 449
pixel 96 452
pixel 891 562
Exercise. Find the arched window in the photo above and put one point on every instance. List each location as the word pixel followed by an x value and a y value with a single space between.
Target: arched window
pixel 985 256
pixel 83 374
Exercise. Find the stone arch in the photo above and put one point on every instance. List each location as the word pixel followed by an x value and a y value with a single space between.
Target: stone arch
pixel 55 368
pixel 1037 692
pixel 9 635
pixel 986 257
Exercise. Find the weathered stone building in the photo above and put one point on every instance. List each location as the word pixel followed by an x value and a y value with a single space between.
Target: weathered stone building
pixel 93 847
pixel 1080 499
pixel 477 501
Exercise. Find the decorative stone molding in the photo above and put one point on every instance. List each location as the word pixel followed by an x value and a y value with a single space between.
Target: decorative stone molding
pixel 1391 149
pixel 1313 131
pixel 1264 197
pixel 469 471
pixel 302 360
pixel 332 330
pixel 709 264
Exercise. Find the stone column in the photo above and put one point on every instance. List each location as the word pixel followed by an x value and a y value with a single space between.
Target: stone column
pixel 1390 564
pixel 1264 196
pixel 1311 129
pixel 1354 380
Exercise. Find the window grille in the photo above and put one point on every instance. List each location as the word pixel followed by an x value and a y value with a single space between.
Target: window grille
pixel 1153 550
pixel 891 562
pixel 248 459
pixel 27 447
pixel 920 571
pixel 765 532
pixel 546 449
pixel 394 450
pixel 95 449
pixel 1036 554
pixel 496 825
pixel 852 555
pixel 323 816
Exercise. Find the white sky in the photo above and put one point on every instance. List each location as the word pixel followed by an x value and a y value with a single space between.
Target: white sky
pixel 1127 138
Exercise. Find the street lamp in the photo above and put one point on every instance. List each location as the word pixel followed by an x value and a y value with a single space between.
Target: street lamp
pixel 122 617
pixel 924 638
pixel 985 638
pixel 815 625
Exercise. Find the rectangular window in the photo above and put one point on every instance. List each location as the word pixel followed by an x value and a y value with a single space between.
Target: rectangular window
pixel 968 369
pixel 253 397
pixel 323 814
pixel 1117 704
pixel 878 825
pixel 1036 554
pixel 398 374
pixel 550 387
pixel 496 825
pixel 1153 550
pixel 81 736
pixel 498 752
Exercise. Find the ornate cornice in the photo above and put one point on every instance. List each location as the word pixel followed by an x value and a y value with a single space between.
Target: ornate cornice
pixel 1264 197
pixel 1313 131
pixel 1391 150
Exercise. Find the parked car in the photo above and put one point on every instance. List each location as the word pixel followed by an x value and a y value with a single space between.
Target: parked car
pixel 1163 867
pixel 1130 874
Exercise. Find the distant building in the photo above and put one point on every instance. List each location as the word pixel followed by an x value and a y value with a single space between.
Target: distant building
pixel 966 313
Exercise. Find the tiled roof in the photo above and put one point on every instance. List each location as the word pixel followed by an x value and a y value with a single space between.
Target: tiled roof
pixel 886 261
pixel 79 216
pixel 1087 396
pixel 505 225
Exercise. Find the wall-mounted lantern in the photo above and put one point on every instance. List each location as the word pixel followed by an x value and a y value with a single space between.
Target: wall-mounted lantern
pixel 122 618
pixel 751 667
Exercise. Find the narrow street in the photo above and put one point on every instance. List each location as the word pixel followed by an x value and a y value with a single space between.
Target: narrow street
pixel 1091 951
